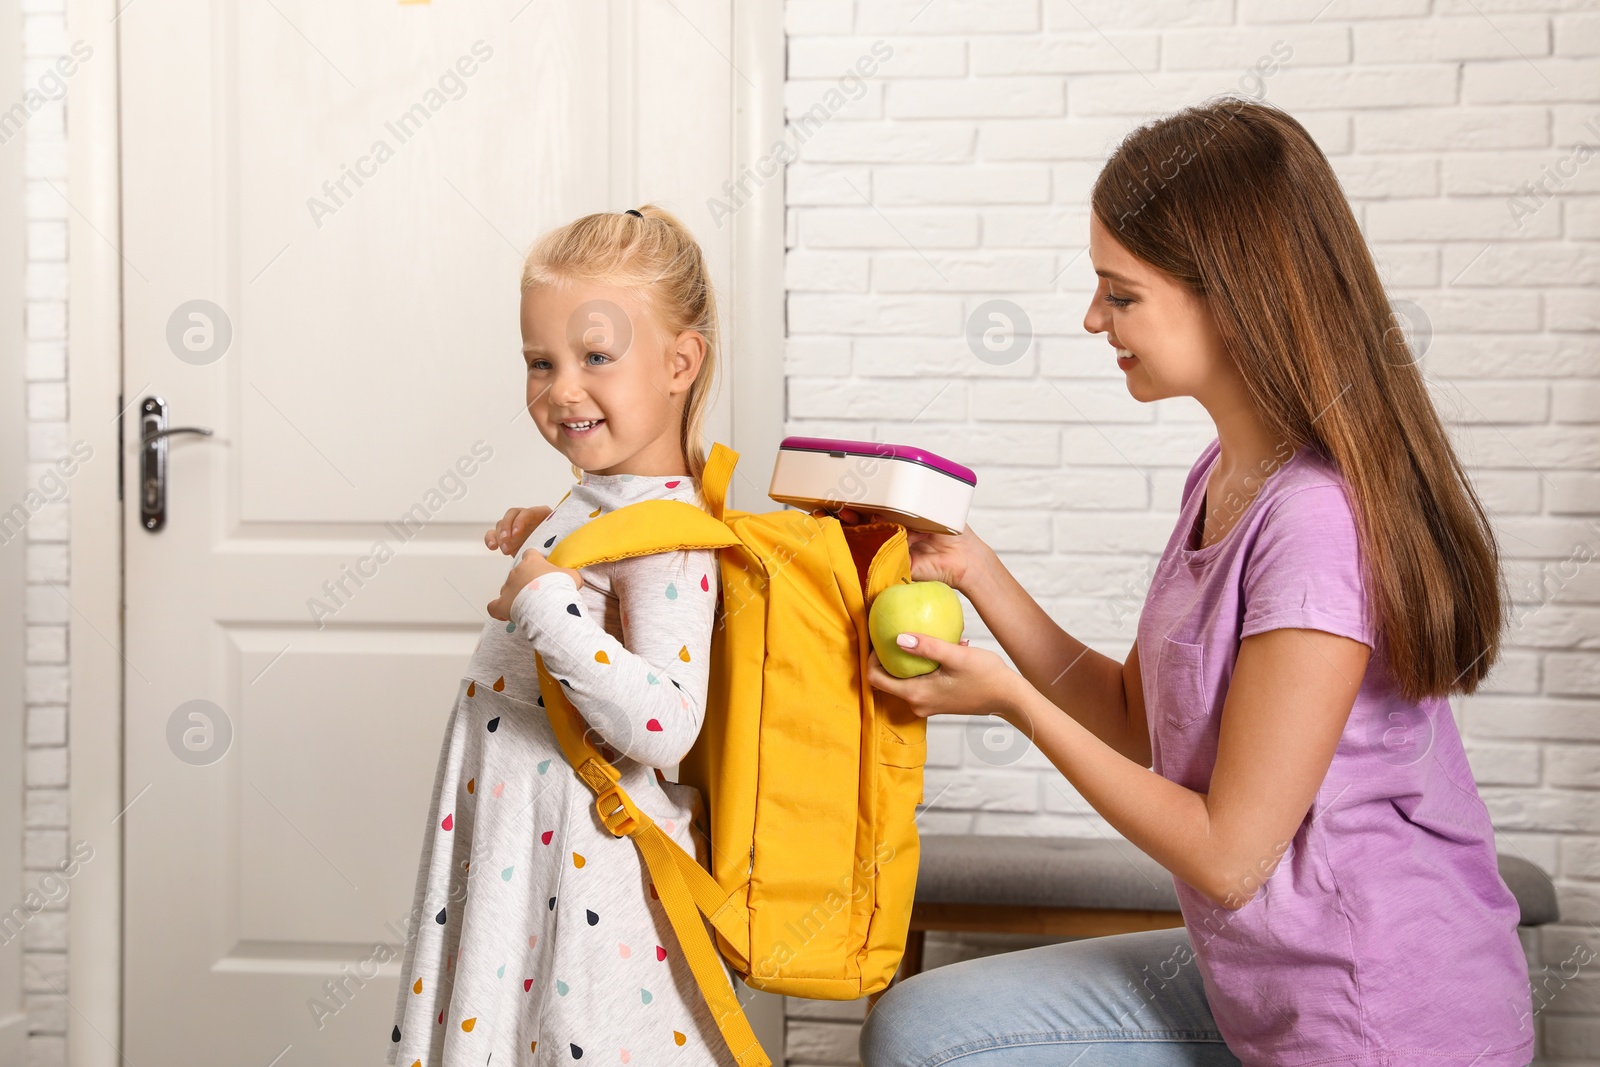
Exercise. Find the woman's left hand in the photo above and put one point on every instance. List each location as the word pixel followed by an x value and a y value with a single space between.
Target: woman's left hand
pixel 969 681
pixel 530 566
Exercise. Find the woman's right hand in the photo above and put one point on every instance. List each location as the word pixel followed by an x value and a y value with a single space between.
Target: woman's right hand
pixel 935 557
pixel 509 534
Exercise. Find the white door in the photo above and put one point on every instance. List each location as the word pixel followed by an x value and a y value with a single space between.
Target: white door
pixel 325 210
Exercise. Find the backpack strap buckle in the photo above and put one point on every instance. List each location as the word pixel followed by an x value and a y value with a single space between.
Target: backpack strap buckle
pixel 618 812
pixel 615 808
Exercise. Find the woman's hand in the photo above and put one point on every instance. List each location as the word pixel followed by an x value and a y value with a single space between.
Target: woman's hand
pixel 510 532
pixel 531 566
pixel 935 557
pixel 969 681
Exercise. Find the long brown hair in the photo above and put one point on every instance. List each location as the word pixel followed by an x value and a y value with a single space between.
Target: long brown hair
pixel 1236 201
pixel 658 257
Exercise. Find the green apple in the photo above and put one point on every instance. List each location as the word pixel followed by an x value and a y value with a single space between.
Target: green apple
pixel 931 608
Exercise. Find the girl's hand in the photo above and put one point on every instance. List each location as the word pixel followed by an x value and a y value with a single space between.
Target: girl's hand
pixel 969 681
pixel 528 568
pixel 510 532
pixel 935 557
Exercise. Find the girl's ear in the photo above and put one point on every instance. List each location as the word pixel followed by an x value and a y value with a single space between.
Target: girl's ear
pixel 688 352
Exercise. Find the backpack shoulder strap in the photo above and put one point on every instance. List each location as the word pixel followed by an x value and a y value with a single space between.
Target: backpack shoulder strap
pixel 641 529
pixel 652 526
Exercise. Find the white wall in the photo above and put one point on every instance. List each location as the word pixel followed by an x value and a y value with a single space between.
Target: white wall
pixel 960 173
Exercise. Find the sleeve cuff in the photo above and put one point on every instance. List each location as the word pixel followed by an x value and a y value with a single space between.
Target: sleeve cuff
pixel 1303 619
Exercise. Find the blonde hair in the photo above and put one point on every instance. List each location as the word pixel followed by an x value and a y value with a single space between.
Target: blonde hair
pixel 655 256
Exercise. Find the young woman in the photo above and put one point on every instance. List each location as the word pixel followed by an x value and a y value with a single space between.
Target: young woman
pixel 1278 736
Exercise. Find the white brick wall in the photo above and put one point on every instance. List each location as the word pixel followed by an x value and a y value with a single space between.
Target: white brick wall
pixel 44 942
pixel 961 173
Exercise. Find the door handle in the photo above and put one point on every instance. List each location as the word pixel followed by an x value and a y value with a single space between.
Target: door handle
pixel 153 434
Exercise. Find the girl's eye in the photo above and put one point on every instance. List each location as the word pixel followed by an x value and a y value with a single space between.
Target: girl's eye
pixel 1117 301
pixel 544 364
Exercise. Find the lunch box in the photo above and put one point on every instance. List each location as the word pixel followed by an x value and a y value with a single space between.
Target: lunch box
pixel 902 483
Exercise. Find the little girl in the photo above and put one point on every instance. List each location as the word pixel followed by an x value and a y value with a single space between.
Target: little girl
pixel 540 939
pixel 1279 735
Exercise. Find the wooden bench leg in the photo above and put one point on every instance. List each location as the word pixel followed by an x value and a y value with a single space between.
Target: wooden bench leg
pixel 911 963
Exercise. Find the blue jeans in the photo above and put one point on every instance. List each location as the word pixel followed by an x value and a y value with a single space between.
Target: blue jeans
pixel 1125 999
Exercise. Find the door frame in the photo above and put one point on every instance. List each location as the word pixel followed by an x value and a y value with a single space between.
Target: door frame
pixel 755 383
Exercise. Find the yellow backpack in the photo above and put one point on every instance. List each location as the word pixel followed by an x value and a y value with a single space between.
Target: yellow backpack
pixel 810 776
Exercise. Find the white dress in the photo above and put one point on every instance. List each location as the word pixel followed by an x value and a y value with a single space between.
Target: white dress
pixel 537 937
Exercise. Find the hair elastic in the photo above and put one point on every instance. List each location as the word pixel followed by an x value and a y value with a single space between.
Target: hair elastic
pixel 631 211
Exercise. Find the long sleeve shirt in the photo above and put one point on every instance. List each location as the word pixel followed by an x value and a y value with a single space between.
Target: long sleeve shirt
pixel 645 693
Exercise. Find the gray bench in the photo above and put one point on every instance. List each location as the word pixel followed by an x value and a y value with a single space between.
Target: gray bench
pixel 1083 887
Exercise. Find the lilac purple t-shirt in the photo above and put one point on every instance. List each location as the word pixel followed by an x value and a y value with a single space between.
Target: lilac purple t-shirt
pixel 1385 936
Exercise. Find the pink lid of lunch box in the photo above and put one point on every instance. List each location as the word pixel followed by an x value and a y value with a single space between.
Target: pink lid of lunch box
pixel 909 453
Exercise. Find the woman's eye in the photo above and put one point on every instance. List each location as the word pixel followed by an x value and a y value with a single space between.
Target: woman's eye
pixel 1117 301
